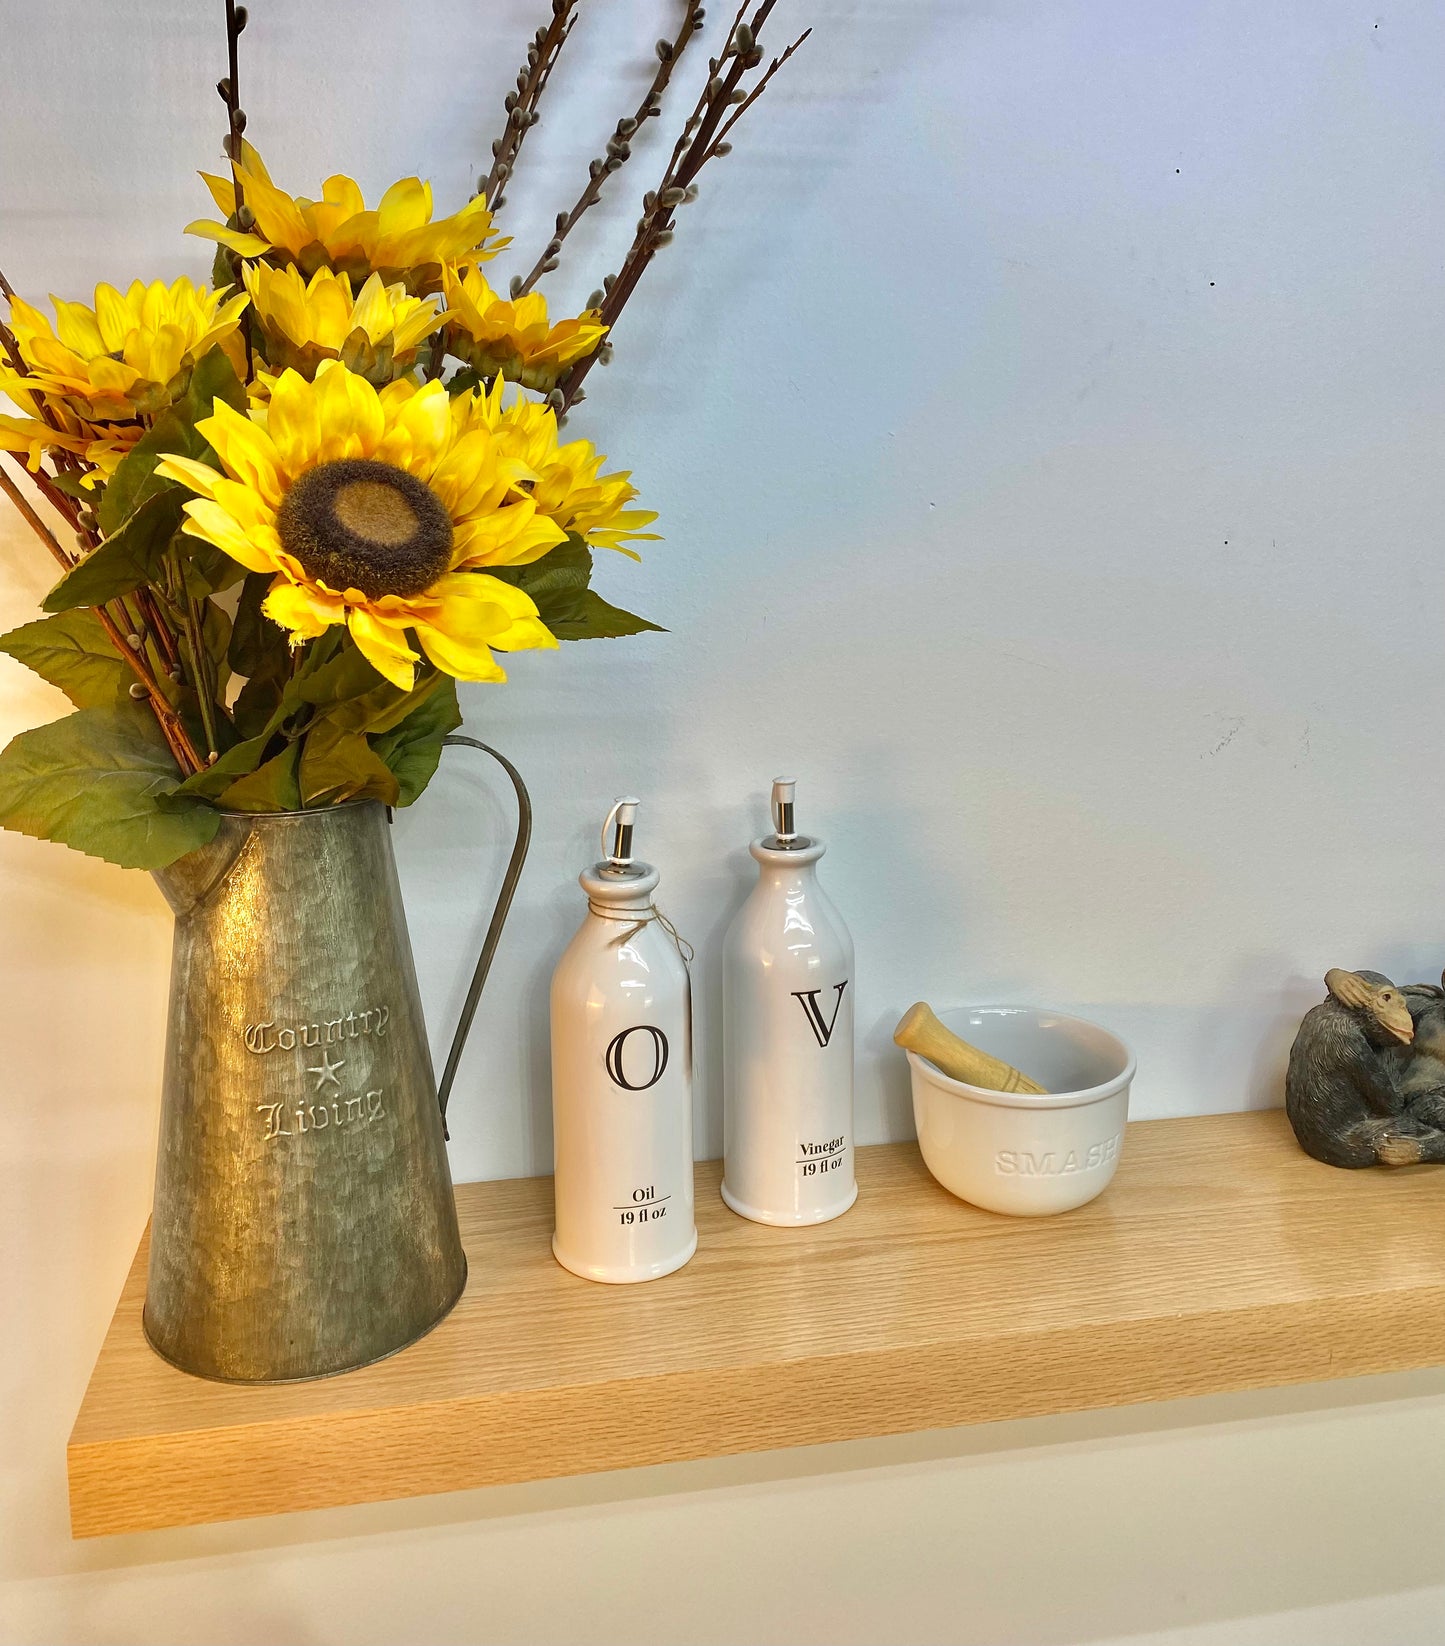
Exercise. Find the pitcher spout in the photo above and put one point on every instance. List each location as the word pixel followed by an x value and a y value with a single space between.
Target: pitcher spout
pixel 186 883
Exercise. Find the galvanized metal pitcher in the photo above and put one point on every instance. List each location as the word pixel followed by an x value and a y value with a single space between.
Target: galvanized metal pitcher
pixel 304 1222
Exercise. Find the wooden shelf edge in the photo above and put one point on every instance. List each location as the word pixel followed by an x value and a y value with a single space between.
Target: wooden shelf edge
pixel 912 1312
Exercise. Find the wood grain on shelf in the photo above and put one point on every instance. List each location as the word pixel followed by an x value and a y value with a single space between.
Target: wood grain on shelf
pixel 1221 1258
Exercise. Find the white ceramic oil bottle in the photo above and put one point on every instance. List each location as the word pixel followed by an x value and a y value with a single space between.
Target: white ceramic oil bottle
pixel 622 1077
pixel 788 1038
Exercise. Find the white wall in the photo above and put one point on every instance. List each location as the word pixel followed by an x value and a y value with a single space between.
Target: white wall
pixel 1044 407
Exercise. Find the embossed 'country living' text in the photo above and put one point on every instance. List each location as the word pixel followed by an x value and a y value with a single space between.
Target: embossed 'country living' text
pixel 284 1120
pixel 267 1037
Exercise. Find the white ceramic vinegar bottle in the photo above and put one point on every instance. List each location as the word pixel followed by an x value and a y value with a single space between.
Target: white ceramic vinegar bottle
pixel 788 1038
pixel 622 1077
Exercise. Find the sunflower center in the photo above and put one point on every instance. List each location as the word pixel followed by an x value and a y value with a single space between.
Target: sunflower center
pixel 359 524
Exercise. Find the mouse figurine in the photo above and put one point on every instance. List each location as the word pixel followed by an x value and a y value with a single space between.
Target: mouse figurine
pixel 1358 1091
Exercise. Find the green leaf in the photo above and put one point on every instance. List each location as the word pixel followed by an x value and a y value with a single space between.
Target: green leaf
pixel 135 479
pixel 342 677
pixel 213 378
pixel 73 652
pixel 338 765
pixel 384 707
pixel 122 562
pixel 414 748
pixel 272 787
pixel 174 431
pixel 96 781
pixel 259 650
pixel 255 639
pixel 223 271
pixel 216 638
pixel 336 673
pixel 557 582
pixel 205 569
pixel 238 761
pixel 597 620
pixel 257 703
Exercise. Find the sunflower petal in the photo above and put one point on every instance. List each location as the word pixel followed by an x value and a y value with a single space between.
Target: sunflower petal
pixel 247 450
pixel 223 192
pixel 342 191
pixel 293 422
pixel 351 419
pixel 199 477
pixel 208 520
pixel 473 613
pixel 405 205
pixel 384 647
pixel 248 245
pixel 77 328
pixel 306 613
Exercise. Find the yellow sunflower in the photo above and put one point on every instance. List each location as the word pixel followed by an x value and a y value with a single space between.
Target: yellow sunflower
pixel 514 339
pixel 376 333
pixel 30 436
pixel 566 485
pixel 373 508
pixel 100 368
pixel 397 238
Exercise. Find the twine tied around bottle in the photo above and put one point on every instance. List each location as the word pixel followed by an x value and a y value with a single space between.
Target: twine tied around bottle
pixel 638 918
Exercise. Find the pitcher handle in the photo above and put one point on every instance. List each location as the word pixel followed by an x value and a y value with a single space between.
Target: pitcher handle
pixel 499 917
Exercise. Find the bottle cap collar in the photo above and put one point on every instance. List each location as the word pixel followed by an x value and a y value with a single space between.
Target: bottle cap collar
pixel 623 884
pixel 785 854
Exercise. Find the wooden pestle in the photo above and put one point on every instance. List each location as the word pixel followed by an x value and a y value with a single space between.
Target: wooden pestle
pixel 920 1031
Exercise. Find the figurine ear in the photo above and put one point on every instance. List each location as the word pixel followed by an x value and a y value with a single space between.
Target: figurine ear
pixel 1349 988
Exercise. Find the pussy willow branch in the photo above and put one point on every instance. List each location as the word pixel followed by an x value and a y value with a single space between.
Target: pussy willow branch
pixel 166 717
pixel 521 105
pixel 619 147
pixel 700 141
pixel 32 519
pixel 7 337
pixel 229 90
pixel 166 646
pixel 754 95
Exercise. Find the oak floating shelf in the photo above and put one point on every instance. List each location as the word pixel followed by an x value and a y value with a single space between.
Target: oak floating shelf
pixel 1221 1258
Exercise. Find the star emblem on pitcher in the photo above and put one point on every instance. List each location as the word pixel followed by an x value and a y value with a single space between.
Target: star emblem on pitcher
pixel 326 1070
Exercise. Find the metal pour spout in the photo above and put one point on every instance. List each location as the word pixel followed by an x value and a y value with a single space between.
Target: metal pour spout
pixel 783 788
pixel 619 825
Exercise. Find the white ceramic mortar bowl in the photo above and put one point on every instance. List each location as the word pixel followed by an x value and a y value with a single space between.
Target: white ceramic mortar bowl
pixel 1007 1151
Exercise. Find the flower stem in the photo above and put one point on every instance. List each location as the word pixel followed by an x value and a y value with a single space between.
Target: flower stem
pixel 200 666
